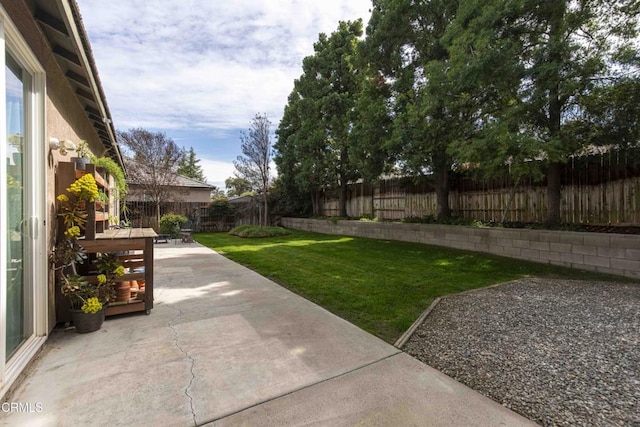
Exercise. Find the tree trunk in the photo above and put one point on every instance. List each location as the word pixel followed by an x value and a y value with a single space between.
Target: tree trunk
pixel 158 215
pixel 441 185
pixel 266 209
pixel 342 201
pixel 442 196
pixel 555 113
pixel 553 193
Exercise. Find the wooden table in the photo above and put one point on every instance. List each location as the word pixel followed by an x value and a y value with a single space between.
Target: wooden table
pixel 138 245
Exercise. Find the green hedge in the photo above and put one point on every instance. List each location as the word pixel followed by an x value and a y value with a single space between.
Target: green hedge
pixel 171 224
pixel 253 231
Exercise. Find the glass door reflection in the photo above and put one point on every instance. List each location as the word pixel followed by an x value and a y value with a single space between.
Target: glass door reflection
pixel 19 304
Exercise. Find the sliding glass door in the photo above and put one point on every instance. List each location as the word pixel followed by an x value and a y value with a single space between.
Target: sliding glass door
pixel 19 308
pixel 23 260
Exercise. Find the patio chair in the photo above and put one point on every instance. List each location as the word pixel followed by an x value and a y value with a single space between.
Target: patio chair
pixel 186 232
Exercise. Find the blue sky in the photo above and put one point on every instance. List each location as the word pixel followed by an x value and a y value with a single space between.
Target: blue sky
pixel 199 70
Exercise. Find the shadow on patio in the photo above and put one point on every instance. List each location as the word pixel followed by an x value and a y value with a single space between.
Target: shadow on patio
pixel 223 341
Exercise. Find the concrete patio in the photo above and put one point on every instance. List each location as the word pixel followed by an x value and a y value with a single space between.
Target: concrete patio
pixel 225 346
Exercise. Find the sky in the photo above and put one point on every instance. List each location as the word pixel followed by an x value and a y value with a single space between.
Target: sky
pixel 200 70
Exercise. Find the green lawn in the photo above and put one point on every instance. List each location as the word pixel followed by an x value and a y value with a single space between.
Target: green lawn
pixel 381 286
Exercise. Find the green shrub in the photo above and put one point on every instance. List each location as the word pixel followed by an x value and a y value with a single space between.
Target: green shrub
pixel 220 208
pixel 334 219
pixel 171 224
pixel 253 231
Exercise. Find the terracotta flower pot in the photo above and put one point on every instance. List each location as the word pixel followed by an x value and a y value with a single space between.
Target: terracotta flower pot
pixel 134 289
pixel 123 291
pixel 87 322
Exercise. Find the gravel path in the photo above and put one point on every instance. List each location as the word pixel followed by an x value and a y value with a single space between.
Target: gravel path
pixel 558 352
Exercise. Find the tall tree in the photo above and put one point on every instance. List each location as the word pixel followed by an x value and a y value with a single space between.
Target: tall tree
pixel 253 166
pixel 189 166
pixel 157 158
pixel 554 56
pixel 371 137
pixel 301 151
pixel 314 135
pixel 404 43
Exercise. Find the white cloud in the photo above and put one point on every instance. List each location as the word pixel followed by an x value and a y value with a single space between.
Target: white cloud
pixel 216 171
pixel 200 64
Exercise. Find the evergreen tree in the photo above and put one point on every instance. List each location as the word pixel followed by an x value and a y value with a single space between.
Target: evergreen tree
pixel 313 148
pixel 539 68
pixel 189 166
pixel 404 43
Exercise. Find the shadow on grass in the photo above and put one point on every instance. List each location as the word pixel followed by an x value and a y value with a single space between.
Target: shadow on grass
pixel 380 285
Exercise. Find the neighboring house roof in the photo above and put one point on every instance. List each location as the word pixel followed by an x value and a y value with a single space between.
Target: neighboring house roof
pixel 62 25
pixel 181 181
pixel 240 199
pixel 184 181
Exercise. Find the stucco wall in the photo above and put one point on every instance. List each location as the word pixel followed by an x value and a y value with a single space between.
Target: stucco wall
pixel 180 194
pixel 607 253
pixel 64 116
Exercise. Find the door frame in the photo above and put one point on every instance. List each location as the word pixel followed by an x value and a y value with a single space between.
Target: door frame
pixel 36 201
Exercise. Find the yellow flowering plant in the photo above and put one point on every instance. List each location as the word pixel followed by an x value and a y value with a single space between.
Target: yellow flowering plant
pixel 91 305
pixel 110 269
pixel 72 206
pixel 69 254
pixel 85 296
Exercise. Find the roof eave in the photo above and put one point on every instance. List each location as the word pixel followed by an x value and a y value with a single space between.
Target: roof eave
pixel 65 26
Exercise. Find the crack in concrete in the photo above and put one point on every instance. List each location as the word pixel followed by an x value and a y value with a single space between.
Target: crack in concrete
pixel 304 387
pixel 176 341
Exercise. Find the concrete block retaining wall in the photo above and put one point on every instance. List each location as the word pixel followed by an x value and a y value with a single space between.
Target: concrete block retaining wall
pixel 606 253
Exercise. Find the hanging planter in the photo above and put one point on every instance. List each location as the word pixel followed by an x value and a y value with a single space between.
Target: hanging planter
pixel 81 162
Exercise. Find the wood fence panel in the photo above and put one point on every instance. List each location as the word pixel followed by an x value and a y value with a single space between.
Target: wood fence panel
pixel 615 202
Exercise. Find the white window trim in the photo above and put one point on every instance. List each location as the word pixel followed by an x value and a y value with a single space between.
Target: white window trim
pixel 10 38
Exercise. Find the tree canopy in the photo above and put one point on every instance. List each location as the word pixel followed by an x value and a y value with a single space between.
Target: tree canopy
pixel 237 186
pixel 539 69
pixel 189 166
pixel 314 136
pixel 404 43
pixel 436 86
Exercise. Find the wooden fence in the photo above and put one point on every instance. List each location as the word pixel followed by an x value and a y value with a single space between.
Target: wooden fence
pixel 599 189
pixel 143 214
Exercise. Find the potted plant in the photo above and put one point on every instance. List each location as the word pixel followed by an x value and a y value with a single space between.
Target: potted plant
pixel 83 155
pixel 87 298
pixel 108 165
pixel 112 168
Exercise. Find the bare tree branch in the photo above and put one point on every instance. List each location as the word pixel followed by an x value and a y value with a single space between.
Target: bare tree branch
pixel 156 159
pixel 253 165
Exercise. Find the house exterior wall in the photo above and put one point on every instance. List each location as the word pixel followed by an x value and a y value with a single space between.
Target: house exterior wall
pixel 65 118
pixel 179 194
